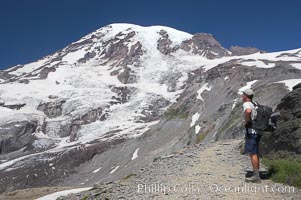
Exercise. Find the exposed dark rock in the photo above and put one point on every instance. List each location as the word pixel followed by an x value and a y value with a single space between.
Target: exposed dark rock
pixel 127 76
pixel 154 111
pixel 287 136
pixel 124 93
pixel 75 46
pixel 118 52
pixel 45 71
pixel 52 168
pixel 14 106
pixel 239 51
pixel 16 135
pixel 53 97
pixel 87 57
pixel 135 51
pixel 163 44
pixel 116 47
pixel 52 109
pixel 89 117
pixel 297 86
pixel 25 81
pixel 204 44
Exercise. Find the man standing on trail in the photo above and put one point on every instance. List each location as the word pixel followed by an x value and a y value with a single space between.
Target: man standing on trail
pixel 252 136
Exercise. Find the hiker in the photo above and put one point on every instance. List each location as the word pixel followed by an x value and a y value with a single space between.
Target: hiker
pixel 252 136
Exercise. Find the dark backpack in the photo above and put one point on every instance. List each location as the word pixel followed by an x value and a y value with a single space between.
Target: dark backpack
pixel 266 119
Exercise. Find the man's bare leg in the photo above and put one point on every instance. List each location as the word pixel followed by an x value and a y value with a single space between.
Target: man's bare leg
pixel 255 165
pixel 255 161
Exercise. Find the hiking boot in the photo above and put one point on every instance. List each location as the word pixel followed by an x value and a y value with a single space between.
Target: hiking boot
pixel 253 179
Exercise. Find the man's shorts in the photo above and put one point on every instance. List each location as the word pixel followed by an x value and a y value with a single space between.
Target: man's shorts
pixel 251 143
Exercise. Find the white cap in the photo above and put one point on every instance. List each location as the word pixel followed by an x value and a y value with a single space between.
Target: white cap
pixel 248 92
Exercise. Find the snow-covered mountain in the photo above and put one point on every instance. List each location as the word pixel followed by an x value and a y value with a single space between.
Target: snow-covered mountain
pixel 121 96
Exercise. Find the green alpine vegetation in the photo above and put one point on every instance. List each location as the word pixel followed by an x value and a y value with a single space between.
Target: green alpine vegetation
pixel 286 171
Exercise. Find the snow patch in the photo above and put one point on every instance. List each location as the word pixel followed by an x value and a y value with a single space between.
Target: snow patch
pixel 194 118
pixel 135 154
pixel 258 63
pixel 113 170
pixel 214 134
pixel 73 57
pixel 234 103
pixel 201 90
pixel 214 53
pixel 63 193
pixel 197 129
pixel 290 83
pixel 96 170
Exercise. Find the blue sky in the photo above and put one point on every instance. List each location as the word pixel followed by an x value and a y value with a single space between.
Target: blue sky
pixel 31 29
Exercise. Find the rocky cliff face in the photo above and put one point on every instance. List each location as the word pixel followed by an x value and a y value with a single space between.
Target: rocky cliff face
pixel 286 139
pixel 206 45
pixel 123 95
